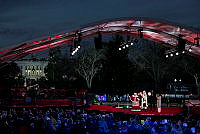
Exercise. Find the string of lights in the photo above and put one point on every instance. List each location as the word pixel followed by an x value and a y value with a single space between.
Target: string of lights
pixel 77 43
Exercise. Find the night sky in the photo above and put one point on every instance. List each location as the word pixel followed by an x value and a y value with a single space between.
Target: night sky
pixel 22 20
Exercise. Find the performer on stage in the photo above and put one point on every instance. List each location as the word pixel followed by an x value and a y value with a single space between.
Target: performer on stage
pixel 144 101
pixel 135 102
pixel 154 99
pixel 150 100
pixel 159 103
pixel 140 98
pixel 127 97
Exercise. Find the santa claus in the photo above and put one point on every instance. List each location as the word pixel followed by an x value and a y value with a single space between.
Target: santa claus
pixel 135 102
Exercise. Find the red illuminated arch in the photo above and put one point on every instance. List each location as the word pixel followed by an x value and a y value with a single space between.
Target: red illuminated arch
pixel 159 31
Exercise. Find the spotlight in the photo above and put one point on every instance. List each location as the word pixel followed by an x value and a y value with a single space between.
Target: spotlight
pixel 166 56
pixel 177 53
pixel 120 49
pixel 183 52
pixel 79 46
pixel 127 45
pixel 131 43
pixel 180 80
pixel 98 41
pixel 71 49
pixel 124 47
pixel 175 80
pixel 190 49
pixel 171 55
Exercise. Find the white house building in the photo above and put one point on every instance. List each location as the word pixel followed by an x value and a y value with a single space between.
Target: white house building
pixel 32 69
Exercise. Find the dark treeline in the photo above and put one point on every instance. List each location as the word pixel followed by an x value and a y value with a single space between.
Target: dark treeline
pixel 140 66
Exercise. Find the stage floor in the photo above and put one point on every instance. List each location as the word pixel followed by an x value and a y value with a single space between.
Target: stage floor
pixel 165 111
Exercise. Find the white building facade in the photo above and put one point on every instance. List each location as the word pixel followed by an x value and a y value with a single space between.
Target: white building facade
pixel 32 69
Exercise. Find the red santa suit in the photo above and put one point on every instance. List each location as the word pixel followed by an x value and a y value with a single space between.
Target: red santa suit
pixel 135 102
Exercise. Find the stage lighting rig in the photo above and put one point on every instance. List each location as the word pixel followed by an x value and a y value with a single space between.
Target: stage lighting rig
pixel 76 44
pixel 171 53
pixel 140 33
pixel 73 50
pixel 180 49
pixel 98 41
pixel 196 41
pixel 78 36
pixel 123 45
pixel 181 44
pixel 176 52
pixel 126 44
pixel 78 39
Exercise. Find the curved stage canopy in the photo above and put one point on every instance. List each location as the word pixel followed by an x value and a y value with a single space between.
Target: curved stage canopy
pixel 163 32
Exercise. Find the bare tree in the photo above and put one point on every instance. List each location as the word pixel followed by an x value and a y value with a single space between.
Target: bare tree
pixel 136 54
pixel 88 65
pixel 191 66
pixel 147 57
pixel 156 68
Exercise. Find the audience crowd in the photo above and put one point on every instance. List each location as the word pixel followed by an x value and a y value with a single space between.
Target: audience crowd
pixel 78 121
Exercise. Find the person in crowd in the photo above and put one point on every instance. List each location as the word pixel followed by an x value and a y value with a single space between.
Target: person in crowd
pixel 78 121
